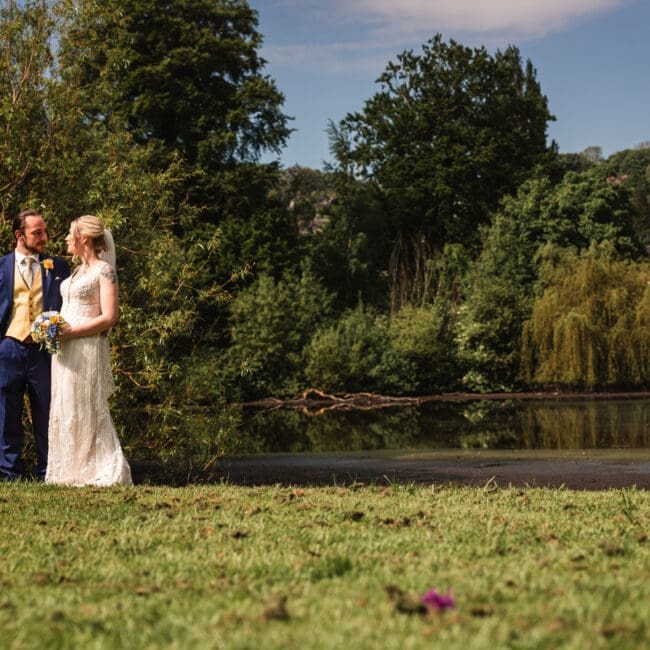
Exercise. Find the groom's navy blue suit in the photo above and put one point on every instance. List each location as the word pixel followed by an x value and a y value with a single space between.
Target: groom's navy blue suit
pixel 23 366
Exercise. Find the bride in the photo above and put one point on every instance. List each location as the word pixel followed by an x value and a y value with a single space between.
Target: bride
pixel 83 445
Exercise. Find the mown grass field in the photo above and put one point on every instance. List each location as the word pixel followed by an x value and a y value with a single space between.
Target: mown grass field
pixel 225 566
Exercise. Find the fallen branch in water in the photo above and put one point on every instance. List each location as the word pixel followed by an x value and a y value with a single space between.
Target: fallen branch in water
pixel 314 401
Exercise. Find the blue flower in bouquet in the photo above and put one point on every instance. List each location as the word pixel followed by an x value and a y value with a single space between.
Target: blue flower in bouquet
pixel 45 330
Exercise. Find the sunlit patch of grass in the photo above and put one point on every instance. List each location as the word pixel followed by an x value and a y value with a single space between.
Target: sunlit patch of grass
pixel 279 567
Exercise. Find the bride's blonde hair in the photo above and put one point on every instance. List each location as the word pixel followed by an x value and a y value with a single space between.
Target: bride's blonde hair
pixel 88 225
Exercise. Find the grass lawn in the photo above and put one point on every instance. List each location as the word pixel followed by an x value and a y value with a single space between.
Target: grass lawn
pixel 225 566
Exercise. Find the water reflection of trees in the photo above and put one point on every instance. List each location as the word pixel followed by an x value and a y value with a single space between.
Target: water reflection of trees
pixel 587 425
pixel 293 431
pixel 489 424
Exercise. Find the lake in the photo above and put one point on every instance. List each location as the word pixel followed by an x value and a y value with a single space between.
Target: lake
pixel 545 424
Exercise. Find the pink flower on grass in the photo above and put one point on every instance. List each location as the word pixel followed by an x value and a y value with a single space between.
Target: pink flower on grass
pixel 434 600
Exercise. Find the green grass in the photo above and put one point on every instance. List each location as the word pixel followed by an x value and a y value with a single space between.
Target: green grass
pixel 239 567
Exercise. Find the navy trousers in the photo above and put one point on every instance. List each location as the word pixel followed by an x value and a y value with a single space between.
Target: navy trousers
pixel 24 368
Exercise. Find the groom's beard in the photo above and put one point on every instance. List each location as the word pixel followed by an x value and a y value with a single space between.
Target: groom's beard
pixel 37 249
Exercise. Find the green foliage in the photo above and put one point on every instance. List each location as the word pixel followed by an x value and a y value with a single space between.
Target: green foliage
pixel 266 241
pixel 450 132
pixel 590 207
pixel 155 120
pixel 589 329
pixel 355 354
pixel 581 210
pixel 170 290
pixel 488 333
pixel 24 62
pixel 562 163
pixel 189 76
pixel 351 252
pixel 166 292
pixel 48 155
pixel 499 292
pixel 190 80
pixel 631 168
pixel 271 323
pixel 422 337
pixel 412 352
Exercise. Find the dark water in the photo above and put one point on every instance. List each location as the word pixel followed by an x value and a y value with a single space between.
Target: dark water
pixel 482 424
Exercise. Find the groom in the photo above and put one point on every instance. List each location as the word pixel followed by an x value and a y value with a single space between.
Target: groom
pixel 30 283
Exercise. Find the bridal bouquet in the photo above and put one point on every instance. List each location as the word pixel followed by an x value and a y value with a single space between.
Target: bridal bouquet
pixel 46 329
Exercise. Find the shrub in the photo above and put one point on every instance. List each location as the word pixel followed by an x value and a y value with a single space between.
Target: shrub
pixel 356 355
pixel 421 337
pixel 271 323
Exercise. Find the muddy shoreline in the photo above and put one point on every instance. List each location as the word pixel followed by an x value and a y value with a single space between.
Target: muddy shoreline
pixel 593 469
pixel 576 470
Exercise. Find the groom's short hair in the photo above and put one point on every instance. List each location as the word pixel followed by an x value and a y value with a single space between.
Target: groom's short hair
pixel 21 220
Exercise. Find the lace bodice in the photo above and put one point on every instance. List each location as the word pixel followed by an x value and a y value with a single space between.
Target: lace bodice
pixel 80 293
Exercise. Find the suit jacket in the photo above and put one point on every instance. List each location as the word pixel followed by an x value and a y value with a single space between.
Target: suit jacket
pixel 51 281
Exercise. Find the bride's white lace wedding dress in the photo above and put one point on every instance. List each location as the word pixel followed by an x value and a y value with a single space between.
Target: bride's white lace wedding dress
pixel 83 445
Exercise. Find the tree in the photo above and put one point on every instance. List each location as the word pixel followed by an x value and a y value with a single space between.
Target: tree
pixel 355 354
pixel 589 328
pixel 186 75
pixel 271 324
pixel 563 163
pixel 583 210
pixel 41 143
pixel 631 169
pixel 59 161
pixel 450 132
pixel 23 57
pixel 351 250
pixel 591 207
pixel 593 154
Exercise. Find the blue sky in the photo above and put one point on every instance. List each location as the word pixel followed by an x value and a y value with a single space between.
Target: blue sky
pixel 592 59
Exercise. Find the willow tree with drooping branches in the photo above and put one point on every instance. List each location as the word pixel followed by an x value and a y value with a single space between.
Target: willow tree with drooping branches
pixel 590 328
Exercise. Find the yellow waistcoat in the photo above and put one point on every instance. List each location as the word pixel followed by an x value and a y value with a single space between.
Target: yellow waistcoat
pixel 28 304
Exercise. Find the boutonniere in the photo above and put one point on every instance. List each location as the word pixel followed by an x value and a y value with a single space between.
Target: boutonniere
pixel 48 265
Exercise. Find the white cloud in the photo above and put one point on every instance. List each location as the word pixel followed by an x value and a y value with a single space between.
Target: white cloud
pixel 334 57
pixel 382 28
pixel 514 19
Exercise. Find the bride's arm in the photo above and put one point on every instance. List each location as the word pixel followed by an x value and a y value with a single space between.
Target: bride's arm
pixel 109 303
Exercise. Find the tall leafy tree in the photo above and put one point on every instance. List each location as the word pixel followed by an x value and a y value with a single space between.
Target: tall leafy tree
pixel 56 158
pixel 186 81
pixel 186 75
pixel 631 169
pixel 350 252
pixel 450 132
